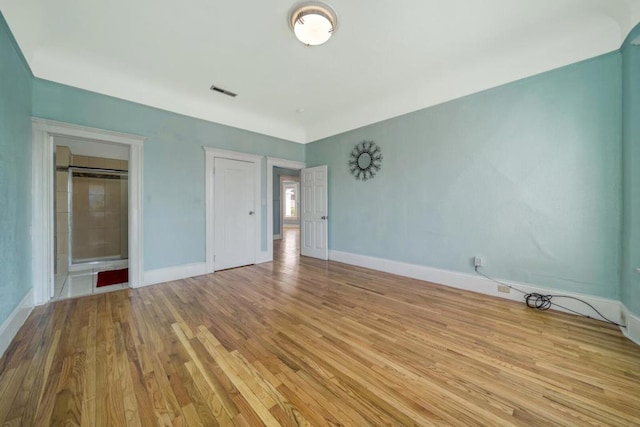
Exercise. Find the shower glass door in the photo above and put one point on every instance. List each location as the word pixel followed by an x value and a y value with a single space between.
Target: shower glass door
pixel 99 215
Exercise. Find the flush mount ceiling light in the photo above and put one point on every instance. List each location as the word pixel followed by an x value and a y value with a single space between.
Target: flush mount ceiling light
pixel 313 23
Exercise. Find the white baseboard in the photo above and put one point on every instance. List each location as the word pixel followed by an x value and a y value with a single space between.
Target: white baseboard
pixel 632 331
pixel 16 319
pixel 160 275
pixel 476 283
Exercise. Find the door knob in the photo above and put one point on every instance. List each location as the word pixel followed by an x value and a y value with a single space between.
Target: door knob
pixel 250 212
pixel 324 217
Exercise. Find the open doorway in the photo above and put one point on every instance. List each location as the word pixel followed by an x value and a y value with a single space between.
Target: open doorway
pixel 286 214
pixel 91 217
pixel 313 210
pixel 286 200
pixel 281 173
pixel 44 191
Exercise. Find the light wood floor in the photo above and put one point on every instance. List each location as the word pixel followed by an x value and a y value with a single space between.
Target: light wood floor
pixel 307 342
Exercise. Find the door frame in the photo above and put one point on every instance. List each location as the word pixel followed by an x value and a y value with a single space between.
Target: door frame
pixel 281 163
pixel 210 156
pixel 43 194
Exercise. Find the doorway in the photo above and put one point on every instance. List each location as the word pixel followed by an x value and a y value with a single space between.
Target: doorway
pixel 274 200
pixel 44 191
pixel 91 217
pixel 286 200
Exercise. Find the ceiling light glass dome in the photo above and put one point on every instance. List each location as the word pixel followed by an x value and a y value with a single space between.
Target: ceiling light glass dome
pixel 313 23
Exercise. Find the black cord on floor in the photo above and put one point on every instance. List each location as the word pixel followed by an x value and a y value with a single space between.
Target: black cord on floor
pixel 544 302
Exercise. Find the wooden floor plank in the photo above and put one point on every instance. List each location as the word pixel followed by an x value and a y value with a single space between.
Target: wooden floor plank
pixel 304 342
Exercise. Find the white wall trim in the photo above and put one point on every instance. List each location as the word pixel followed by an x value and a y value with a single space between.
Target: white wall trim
pixel 473 282
pixel 43 195
pixel 632 331
pixel 161 275
pixel 210 156
pixel 232 155
pixel 178 272
pixel 281 163
pixel 42 251
pixel 10 327
pixel 84 132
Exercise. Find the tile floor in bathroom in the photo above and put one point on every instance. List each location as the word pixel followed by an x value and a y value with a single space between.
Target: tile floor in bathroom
pixel 83 282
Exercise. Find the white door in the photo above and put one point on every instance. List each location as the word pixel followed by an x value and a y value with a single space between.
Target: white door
pixel 234 214
pixel 313 223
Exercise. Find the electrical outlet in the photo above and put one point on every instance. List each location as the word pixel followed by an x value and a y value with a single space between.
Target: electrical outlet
pixel 504 289
pixel 478 261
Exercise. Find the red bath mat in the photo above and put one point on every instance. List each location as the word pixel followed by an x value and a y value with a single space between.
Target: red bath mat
pixel 112 277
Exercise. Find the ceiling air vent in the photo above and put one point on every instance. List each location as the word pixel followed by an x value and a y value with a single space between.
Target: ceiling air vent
pixel 223 91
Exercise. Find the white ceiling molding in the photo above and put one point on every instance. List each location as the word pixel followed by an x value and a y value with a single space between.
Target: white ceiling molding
pixel 167 54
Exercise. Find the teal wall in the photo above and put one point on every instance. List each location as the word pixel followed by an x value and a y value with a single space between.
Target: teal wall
pixel 15 173
pixel 536 176
pixel 631 178
pixel 526 175
pixel 174 162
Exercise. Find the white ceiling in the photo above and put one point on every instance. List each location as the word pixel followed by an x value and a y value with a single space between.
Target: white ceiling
pixel 386 58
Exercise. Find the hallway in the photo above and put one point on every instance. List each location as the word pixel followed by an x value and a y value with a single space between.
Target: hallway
pixel 288 247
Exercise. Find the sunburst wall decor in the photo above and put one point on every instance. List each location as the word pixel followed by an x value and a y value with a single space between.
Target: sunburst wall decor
pixel 365 160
